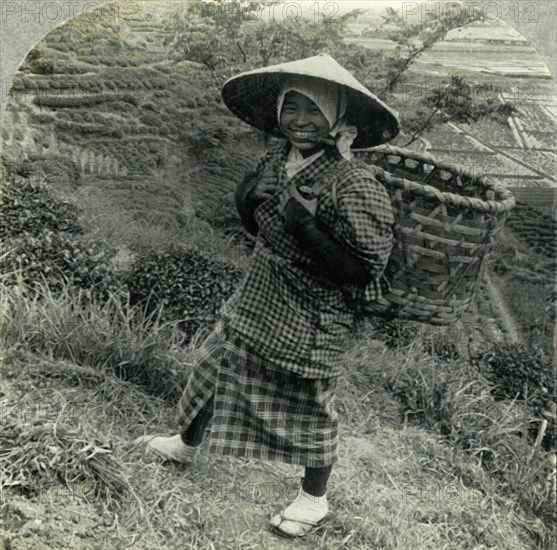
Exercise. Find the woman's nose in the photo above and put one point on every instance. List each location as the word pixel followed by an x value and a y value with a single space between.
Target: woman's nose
pixel 301 118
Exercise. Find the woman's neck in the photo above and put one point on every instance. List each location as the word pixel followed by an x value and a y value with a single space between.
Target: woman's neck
pixel 307 153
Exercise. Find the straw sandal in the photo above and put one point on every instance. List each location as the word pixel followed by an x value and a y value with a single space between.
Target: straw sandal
pixel 168 448
pixel 301 517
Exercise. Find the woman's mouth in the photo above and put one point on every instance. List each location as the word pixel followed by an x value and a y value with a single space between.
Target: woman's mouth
pixel 301 134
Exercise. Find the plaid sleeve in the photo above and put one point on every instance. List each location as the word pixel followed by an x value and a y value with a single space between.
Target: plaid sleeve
pixel 364 219
pixel 244 187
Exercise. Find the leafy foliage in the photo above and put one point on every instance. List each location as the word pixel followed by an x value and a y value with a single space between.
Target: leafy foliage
pixel 414 38
pixel 522 371
pixel 42 242
pixel 442 347
pixel 226 41
pixel 394 332
pixel 227 38
pixel 459 101
pixel 56 258
pixel 28 207
pixel 536 228
pixel 83 100
pixel 189 287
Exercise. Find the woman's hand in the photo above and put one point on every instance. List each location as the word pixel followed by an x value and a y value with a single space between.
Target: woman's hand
pixel 260 192
pixel 296 209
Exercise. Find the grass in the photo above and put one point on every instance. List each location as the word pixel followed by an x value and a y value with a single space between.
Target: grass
pixel 427 458
pixel 111 336
pixel 525 278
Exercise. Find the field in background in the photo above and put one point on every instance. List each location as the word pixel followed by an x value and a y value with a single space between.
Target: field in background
pixel 520 156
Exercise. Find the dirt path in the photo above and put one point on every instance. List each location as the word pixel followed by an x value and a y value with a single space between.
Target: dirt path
pixel 511 328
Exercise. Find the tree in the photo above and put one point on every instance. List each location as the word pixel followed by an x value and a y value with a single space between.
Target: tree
pixel 455 100
pixel 227 37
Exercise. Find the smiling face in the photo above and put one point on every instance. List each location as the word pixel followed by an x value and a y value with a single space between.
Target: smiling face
pixel 302 122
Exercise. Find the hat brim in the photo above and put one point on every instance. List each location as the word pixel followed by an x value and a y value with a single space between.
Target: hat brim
pixel 253 96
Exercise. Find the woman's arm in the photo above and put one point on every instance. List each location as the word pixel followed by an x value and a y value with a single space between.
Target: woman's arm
pixel 333 260
pixel 252 191
pixel 360 244
pixel 245 204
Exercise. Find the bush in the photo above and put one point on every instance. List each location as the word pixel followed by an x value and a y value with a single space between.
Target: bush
pixel 57 101
pixel 56 259
pixel 442 347
pixel 29 83
pixel 521 371
pixel 150 119
pixel 393 332
pixel 17 83
pixel 150 107
pixel 28 207
pixel 40 118
pixel 189 287
pixel 42 66
pixel 42 245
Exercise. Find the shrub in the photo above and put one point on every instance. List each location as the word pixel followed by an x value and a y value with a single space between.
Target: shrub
pixel 28 207
pixel 43 84
pixel 150 106
pixel 17 83
pixel 522 371
pixel 189 287
pixel 34 54
pixel 56 101
pixel 438 345
pixel 42 66
pixel 40 118
pixel 56 259
pixel 394 332
pixel 29 83
pixel 42 245
pixel 458 402
pixel 150 119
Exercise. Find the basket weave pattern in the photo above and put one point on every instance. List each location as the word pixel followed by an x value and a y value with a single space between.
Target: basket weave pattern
pixel 445 219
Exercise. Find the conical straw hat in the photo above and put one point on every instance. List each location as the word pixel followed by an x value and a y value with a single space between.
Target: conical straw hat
pixel 252 97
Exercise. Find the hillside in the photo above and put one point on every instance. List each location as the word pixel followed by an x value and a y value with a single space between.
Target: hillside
pixel 119 162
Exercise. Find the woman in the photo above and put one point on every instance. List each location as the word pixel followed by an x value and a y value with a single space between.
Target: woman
pixel 267 374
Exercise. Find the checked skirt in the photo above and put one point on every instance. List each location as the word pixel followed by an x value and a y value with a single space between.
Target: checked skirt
pixel 260 411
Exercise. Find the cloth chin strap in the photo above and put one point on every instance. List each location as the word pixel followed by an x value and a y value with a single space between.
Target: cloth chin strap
pixel 296 162
pixel 344 135
pixel 331 100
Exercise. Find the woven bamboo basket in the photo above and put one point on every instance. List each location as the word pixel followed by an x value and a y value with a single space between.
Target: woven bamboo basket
pixel 445 220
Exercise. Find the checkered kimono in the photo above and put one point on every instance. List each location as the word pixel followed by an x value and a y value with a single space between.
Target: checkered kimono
pixel 272 361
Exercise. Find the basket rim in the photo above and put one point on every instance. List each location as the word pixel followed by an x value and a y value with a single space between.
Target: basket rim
pixel 504 202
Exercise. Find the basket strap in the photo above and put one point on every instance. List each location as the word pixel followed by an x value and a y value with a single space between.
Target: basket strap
pixel 335 174
pixel 334 193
